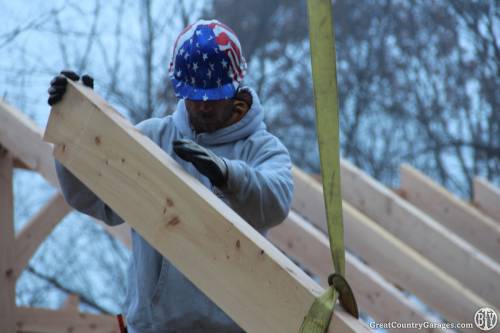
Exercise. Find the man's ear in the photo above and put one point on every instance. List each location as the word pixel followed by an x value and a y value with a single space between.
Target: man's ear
pixel 245 96
pixel 242 102
pixel 240 107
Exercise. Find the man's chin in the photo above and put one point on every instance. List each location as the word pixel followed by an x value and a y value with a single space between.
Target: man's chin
pixel 212 128
pixel 207 127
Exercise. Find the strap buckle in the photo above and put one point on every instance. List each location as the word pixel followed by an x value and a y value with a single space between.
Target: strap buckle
pixel 346 296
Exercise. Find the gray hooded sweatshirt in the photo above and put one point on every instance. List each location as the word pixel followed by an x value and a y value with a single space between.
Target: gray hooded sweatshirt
pixel 160 299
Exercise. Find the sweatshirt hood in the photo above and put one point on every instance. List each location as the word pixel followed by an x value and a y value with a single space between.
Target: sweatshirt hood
pixel 251 122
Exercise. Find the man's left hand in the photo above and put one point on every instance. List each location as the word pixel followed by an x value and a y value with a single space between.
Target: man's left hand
pixel 207 163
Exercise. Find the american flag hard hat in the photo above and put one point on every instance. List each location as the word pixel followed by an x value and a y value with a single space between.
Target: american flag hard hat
pixel 207 62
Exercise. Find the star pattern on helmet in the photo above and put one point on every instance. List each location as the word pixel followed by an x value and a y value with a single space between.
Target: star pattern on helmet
pixel 204 65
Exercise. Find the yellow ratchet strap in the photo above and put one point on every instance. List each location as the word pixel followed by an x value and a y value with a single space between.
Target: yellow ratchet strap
pixel 321 35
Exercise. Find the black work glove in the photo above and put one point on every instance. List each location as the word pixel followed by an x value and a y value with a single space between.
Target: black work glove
pixel 58 85
pixel 204 160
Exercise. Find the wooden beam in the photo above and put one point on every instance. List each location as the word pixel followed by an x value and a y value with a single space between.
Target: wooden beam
pixel 487 198
pixel 456 215
pixel 22 137
pixel 7 280
pixel 375 296
pixel 251 280
pixel 448 251
pixel 28 320
pixel 37 229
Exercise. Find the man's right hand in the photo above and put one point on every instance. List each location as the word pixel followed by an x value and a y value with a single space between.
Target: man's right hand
pixel 58 85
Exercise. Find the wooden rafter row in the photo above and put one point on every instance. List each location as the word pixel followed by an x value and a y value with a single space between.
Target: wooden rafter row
pixel 397 262
pixel 444 248
pixel 455 214
pixel 218 251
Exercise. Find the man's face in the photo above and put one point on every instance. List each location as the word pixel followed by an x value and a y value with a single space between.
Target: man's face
pixel 209 116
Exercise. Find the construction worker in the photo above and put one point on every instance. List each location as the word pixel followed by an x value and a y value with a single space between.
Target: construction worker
pixel 218 135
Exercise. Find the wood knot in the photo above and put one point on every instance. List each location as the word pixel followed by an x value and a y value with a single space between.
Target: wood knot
pixel 173 221
pixel 238 244
pixel 97 140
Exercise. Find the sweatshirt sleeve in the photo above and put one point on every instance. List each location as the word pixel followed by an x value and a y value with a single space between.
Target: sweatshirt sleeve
pixel 81 198
pixel 260 188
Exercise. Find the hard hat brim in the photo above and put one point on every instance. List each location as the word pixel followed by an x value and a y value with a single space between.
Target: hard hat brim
pixel 186 91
